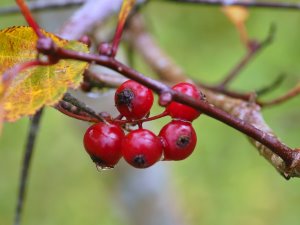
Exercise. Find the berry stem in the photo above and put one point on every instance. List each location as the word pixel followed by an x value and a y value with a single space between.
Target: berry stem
pixel 163 114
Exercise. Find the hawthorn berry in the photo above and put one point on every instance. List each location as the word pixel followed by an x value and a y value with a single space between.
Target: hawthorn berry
pixel 141 148
pixel 180 111
pixel 103 143
pixel 133 100
pixel 179 140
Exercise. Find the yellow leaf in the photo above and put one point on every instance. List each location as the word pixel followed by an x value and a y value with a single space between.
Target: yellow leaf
pixel 236 14
pixel 38 86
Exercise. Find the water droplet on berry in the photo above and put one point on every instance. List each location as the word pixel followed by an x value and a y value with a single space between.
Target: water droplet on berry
pixel 101 168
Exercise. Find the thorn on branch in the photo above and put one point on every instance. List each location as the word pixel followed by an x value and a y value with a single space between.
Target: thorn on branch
pixel 270 37
pixel 272 86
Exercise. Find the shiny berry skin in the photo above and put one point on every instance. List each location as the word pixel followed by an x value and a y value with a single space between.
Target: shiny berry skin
pixel 133 100
pixel 141 148
pixel 181 111
pixel 179 140
pixel 103 143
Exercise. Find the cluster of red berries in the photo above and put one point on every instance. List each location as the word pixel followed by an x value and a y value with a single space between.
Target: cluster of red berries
pixel 106 142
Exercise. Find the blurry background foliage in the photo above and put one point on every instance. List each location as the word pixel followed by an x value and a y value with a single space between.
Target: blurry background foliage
pixel 224 182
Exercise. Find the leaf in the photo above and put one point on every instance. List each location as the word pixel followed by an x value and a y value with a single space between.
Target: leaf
pixel 37 86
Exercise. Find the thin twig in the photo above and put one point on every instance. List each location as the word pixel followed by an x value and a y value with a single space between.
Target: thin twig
pixel 284 98
pixel 74 112
pixel 74 101
pixel 248 95
pixel 254 4
pixel 42 5
pixel 272 86
pixel 34 128
pixel 234 94
pixel 257 47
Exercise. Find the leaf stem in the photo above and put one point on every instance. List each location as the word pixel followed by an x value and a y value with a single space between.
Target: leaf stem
pixel 29 18
pixel 10 74
pixel 125 10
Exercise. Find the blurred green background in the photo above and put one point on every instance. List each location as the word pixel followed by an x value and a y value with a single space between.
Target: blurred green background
pixel 224 182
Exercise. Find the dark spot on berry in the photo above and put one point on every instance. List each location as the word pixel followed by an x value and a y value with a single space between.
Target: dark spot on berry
pixel 125 97
pixel 100 162
pixel 183 141
pixel 96 159
pixel 139 161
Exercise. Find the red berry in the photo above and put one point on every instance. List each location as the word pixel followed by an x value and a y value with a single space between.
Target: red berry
pixel 103 143
pixel 181 111
pixel 133 100
pixel 141 148
pixel 179 140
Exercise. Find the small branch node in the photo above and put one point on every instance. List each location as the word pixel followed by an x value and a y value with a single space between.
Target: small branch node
pixel 105 49
pixel 46 46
